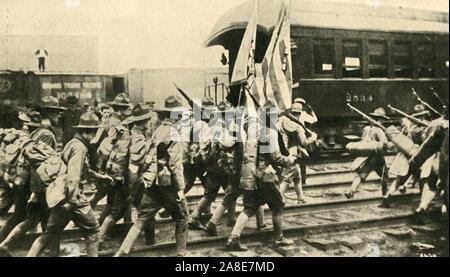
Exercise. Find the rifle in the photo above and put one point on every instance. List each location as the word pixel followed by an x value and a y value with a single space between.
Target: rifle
pixel 366 117
pixel 410 117
pixel 425 103
pixel 444 105
pixel 402 142
pixel 188 99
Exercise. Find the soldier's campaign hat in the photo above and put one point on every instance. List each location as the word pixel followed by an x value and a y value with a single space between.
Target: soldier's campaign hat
pixel 121 100
pixel 224 107
pixel 296 108
pixel 51 103
pixel 88 120
pixel 172 104
pixel 300 101
pixel 139 113
pixel 207 101
pixel 380 113
pixel 24 117
pixel 419 110
pixel 35 119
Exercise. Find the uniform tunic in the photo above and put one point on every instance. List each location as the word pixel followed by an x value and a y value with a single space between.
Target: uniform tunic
pixel 375 161
pixel 163 176
pixel 265 189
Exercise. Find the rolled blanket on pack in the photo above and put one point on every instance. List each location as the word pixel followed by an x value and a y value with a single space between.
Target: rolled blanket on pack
pixel 365 148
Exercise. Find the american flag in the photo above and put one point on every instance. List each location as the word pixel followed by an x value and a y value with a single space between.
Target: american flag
pixel 277 63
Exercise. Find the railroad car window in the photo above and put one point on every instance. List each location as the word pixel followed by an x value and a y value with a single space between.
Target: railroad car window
pixel 324 54
pixel 425 60
pixel 442 59
pixel 352 59
pixel 378 59
pixel 401 57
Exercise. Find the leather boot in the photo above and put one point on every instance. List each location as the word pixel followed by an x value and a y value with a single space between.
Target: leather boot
pixel 181 233
pixel 234 244
pixel 211 229
pixel 149 233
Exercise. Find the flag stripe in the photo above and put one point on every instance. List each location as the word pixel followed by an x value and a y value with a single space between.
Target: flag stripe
pixel 277 69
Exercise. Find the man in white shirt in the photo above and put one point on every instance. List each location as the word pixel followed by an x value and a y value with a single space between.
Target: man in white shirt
pixel 41 53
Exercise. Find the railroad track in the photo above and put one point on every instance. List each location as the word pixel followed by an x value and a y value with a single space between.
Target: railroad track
pixel 310 218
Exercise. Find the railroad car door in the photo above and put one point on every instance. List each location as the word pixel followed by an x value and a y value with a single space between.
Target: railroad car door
pixel 118 86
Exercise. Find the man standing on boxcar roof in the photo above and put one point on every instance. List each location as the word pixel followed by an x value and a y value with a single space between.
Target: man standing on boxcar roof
pixel 70 118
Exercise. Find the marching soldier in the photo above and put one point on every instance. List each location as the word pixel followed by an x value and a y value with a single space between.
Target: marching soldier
pixel 308 117
pixel 375 161
pixel 425 169
pixel 294 137
pixel 20 191
pixel 37 207
pixel 196 146
pixel 400 166
pixel 107 136
pixel 162 183
pixel 430 169
pixel 259 181
pixel 220 167
pixel 73 205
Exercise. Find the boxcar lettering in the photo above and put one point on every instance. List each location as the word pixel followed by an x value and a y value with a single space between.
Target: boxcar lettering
pixel 92 85
pixel 51 85
pixel 72 85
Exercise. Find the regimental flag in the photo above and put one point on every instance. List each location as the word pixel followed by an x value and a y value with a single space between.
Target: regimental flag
pixel 244 67
pixel 277 63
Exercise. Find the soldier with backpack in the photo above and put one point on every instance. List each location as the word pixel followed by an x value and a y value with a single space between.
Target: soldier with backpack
pixel 65 196
pixel 374 160
pixel 107 136
pixel 162 182
pixel 40 177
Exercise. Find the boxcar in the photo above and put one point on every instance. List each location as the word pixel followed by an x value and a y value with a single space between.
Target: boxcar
pixel 369 56
pixel 18 88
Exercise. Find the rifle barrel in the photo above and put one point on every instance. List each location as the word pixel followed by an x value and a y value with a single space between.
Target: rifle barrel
pixel 366 117
pixel 410 117
pixel 428 106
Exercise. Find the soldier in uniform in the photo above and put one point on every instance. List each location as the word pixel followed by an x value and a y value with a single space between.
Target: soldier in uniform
pixel 74 205
pixel 430 169
pixel 220 166
pixel 19 192
pixel 259 180
pixel 107 136
pixel 375 161
pixel 195 147
pixel 295 139
pixel 308 117
pixel 162 183
pixel 37 207
pixel 426 170
pixel 400 166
